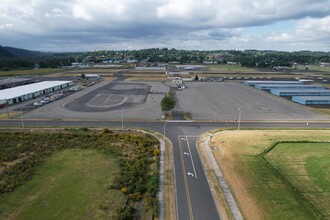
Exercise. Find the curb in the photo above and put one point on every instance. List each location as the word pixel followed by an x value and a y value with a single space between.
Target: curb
pixel 222 182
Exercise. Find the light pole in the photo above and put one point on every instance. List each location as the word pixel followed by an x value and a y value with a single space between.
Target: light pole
pixel 165 131
pixel 239 118
pixel 122 118
pixel 21 117
pixel 7 107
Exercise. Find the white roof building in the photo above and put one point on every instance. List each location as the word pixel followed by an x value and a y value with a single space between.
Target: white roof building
pixel 22 93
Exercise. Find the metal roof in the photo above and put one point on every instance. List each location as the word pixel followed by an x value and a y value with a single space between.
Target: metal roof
pixel 19 91
pixel 312 98
pixel 277 85
pixel 301 90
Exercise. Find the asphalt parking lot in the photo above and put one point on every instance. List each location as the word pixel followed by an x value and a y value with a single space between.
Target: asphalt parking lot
pixel 219 101
pixel 225 101
pixel 107 101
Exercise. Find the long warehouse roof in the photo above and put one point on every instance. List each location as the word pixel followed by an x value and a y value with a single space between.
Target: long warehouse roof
pixel 281 85
pixel 301 90
pixel 312 98
pixel 28 89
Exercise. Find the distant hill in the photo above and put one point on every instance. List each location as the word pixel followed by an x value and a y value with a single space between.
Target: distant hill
pixel 5 54
pixel 22 53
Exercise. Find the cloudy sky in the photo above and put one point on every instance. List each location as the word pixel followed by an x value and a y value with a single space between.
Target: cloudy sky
pixel 81 25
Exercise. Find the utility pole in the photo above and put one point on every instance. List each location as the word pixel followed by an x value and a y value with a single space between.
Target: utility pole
pixel 21 117
pixel 239 118
pixel 122 118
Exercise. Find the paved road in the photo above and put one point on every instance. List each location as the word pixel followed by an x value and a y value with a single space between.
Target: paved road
pixel 194 199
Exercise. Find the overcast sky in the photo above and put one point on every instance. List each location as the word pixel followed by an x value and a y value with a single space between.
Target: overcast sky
pixel 81 25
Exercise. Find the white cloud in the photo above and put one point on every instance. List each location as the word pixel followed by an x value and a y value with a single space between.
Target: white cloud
pixel 176 23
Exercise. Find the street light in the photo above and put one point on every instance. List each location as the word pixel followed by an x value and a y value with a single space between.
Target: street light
pixel 122 118
pixel 7 107
pixel 165 131
pixel 21 117
pixel 239 118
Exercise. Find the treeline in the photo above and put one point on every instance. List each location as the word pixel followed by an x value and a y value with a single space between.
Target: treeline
pixel 248 58
pixel 137 154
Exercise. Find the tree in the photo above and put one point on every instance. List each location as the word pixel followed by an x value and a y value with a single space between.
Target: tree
pixel 168 102
pixel 83 76
pixel 196 78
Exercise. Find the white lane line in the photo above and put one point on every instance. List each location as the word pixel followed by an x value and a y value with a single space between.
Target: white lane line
pixel 192 161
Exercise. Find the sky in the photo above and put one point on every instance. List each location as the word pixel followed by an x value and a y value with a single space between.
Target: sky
pixel 88 25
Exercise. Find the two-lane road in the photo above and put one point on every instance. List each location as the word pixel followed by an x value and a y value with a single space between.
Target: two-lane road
pixel 197 185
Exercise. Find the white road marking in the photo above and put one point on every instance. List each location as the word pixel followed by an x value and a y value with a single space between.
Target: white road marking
pixel 190 174
pixel 192 161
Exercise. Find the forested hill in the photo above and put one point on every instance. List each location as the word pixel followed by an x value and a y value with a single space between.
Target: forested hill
pixel 4 53
pixel 11 52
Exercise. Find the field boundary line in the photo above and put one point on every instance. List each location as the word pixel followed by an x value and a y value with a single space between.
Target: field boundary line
pixel 297 194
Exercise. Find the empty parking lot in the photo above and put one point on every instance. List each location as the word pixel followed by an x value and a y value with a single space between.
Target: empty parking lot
pixel 225 101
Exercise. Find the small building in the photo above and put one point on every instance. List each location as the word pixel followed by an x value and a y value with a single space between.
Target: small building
pixel 312 100
pixel 92 76
pixel 75 88
pixel 22 93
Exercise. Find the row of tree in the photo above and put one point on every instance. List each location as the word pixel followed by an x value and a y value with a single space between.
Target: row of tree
pixel 248 58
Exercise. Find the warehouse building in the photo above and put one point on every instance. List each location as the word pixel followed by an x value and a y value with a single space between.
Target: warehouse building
pixel 303 92
pixel 31 91
pixel 281 87
pixel 312 100
pixel 92 76
pixel 13 82
pixel 255 82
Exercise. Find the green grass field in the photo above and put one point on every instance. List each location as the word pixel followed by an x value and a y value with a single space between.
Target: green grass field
pixel 71 184
pixel 224 67
pixel 307 167
pixel 257 187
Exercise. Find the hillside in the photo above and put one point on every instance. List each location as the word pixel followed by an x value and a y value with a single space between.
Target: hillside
pixel 4 53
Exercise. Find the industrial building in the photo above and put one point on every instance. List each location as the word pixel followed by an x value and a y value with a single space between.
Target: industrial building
pixel 92 76
pixel 281 87
pixel 255 82
pixel 13 82
pixel 312 100
pixel 302 92
pixel 31 91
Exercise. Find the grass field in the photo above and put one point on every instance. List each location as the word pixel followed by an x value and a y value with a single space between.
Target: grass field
pixel 260 193
pixel 30 72
pixel 307 167
pixel 78 174
pixel 69 185
pixel 226 68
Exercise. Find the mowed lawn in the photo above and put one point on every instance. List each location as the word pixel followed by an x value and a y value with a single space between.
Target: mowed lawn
pixel 259 191
pixel 307 167
pixel 70 184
